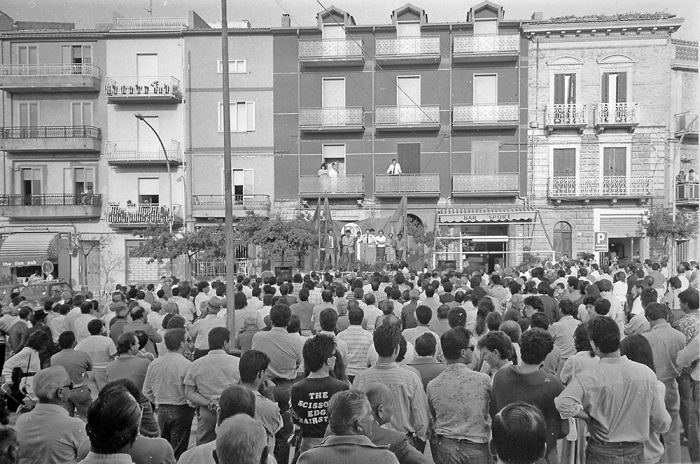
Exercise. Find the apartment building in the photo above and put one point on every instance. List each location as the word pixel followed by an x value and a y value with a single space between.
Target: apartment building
pixel 600 119
pixel 447 101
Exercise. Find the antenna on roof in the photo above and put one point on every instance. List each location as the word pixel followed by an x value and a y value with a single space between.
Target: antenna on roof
pixel 150 7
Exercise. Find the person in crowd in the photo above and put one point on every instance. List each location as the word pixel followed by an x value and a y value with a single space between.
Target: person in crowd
pixel 459 401
pixel 329 323
pixel 28 363
pixel 77 364
pixel 241 440
pixel 164 386
pixel 310 395
pixel 48 434
pixel 304 310
pixel 118 322
pixel 349 414
pixel 411 414
pixel 199 333
pixel 9 446
pixel 563 331
pixel 617 399
pixel 426 363
pixel 358 341
pixel 206 378
pixel 496 350
pixel 530 383
pixel 688 358
pixel 327 296
pixel 689 325
pixel 17 335
pixel 519 434
pixel 138 322
pixel 442 324
pixel 81 322
pixel 423 316
pixel 101 350
pixel 285 353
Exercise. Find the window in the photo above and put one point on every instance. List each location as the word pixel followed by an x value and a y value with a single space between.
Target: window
pixel 484 157
pixel 31 184
pixel 242 117
pixel 76 54
pixel 81 113
pixel 564 162
pixel 614 87
pixel 149 190
pixel 562 240
pixel 83 181
pixel 335 153
pixel 407 34
pixel 234 66
pixel 565 89
pixel 28 54
pixel 29 119
pixel 614 168
pixel 243 184
pixel 409 157
pixel 486 27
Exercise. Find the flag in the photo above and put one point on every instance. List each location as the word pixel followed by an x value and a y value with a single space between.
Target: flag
pixel 327 221
pixel 317 216
pixel 398 219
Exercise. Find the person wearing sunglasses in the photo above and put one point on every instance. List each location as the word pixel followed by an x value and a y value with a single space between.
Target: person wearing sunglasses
pixel 48 433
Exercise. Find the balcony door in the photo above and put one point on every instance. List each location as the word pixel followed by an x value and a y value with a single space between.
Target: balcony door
pixel 333 100
pixel 485 96
pixel 565 89
pixel 29 119
pixel 614 170
pixel 335 153
pixel 409 157
pixel 146 69
pixel 243 184
pixel 75 56
pixel 408 99
pixel 484 157
pixel 147 145
pixel 614 87
pixel 564 170
pixel 408 35
pixel 149 191
pixel 31 185
pixel 332 35
pixel 81 115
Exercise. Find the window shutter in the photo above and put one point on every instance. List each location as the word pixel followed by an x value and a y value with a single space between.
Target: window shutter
pixel 559 89
pixel 248 182
pixel 604 88
pixel 233 111
pixel 572 89
pixel 250 116
pixel 622 87
pixel 564 162
pixel 221 117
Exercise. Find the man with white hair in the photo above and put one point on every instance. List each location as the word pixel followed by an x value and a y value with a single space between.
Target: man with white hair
pixel 48 434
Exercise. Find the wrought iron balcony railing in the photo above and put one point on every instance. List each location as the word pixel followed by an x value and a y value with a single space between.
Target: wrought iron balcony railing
pixel 407 46
pixel 573 115
pixel 50 70
pixel 330 48
pixel 486 44
pixel 143 87
pixel 352 185
pixel 141 151
pixel 85 199
pixel 50 132
pixel 247 201
pixel 485 184
pixel 216 268
pixel 407 115
pixel 142 214
pixel 608 186
pixel 617 114
pixel 327 118
pixel 407 184
pixel 484 114
pixel 688 192
pixel 150 23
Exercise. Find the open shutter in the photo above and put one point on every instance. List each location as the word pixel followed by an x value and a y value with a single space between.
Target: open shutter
pixel 248 182
pixel 558 89
pixel 622 87
pixel 572 89
pixel 68 185
pixel 604 86
pixel 250 116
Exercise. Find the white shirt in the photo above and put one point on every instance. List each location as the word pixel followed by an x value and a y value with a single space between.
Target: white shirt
pixel 332 173
pixel 394 168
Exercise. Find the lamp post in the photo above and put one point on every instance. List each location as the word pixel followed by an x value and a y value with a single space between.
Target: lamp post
pixel 140 117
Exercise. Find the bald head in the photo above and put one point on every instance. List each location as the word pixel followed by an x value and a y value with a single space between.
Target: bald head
pixel 49 385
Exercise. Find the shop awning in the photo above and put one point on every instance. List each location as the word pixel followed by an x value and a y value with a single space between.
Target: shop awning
pixel 21 250
pixel 467 215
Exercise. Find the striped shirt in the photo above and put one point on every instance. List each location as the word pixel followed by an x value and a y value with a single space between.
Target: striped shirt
pixel 410 401
pixel 358 340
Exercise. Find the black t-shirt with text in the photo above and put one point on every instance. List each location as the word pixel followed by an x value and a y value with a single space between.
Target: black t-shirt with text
pixel 310 399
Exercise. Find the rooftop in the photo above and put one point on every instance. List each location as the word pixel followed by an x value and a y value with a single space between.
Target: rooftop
pixel 602 18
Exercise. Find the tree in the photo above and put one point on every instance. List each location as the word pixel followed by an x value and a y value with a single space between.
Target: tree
pixel 661 225
pixel 86 244
pixel 278 236
pixel 160 244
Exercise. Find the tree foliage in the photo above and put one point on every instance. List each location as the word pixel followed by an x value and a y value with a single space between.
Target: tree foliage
pixel 277 236
pixel 661 225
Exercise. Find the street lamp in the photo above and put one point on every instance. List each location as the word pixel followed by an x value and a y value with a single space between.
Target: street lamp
pixel 140 117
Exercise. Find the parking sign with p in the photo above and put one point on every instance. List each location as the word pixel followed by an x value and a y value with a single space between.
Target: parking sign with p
pixel 601 241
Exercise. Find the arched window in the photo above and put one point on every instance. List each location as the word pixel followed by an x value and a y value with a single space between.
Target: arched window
pixel 562 240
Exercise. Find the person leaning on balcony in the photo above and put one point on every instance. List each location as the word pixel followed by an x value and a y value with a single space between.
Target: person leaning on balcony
pixel 322 171
pixel 394 168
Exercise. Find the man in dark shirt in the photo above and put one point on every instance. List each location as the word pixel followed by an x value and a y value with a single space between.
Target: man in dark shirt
pixel 310 397
pixel 18 331
pixel 118 322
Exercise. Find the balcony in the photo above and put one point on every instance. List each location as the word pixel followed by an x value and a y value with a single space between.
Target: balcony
pixel 407 50
pixel 407 118
pixel 331 52
pixel 485 48
pixel 685 57
pixel 687 125
pixel 616 115
pixel 573 188
pixel 504 184
pixel 51 139
pixel 149 24
pixel 566 117
pixel 138 216
pixel 58 206
pixel 212 206
pixel 141 152
pixel 21 78
pixel 341 119
pixel 143 89
pixel 485 116
pixel 410 185
pixel 352 186
pixel 688 193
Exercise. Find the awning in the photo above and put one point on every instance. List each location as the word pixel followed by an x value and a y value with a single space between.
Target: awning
pixel 461 216
pixel 20 250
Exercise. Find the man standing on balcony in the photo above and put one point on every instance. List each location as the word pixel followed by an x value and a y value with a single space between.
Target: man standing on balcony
pixel 394 168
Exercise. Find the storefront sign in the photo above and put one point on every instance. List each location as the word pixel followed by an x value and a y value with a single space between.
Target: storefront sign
pixel 601 241
pixel 487 216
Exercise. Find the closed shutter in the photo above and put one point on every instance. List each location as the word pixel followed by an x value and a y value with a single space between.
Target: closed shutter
pixel 485 157
pixel 604 85
pixel 64 259
pixel 409 157
pixel 559 89
pixel 564 162
pixel 619 226
pixel 615 161
pixel 622 87
pixel 572 89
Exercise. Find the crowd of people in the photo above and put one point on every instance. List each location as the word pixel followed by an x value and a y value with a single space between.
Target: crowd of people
pixel 565 362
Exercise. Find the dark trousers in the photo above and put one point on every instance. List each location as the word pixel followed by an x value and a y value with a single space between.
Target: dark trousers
pixel 283 389
pixel 175 423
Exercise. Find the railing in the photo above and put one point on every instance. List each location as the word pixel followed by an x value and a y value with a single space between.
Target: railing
pixel 340 116
pixel 478 183
pixel 137 86
pixel 134 150
pixel 407 115
pixel 150 23
pixel 617 113
pixel 141 214
pixel 330 48
pixel 407 184
pixel 687 122
pixel 567 115
pixel 486 44
pixel 248 201
pixel 611 186
pixel 86 199
pixel 687 53
pixel 423 45
pixel 214 268
pixel 479 114
pixel 688 192
pixel 50 70
pixel 347 185
pixel 50 132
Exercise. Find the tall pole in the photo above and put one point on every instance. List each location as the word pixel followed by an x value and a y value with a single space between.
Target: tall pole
pixel 228 184
pixel 140 117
